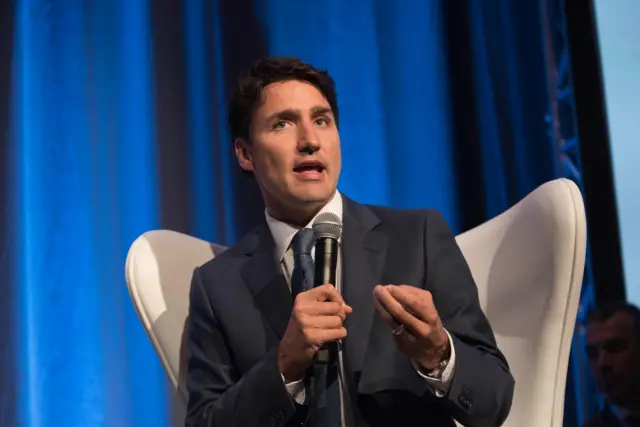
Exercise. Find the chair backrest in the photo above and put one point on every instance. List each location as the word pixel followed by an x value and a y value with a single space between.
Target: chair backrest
pixel 528 264
pixel 158 272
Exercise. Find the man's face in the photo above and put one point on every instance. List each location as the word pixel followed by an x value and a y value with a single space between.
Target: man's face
pixel 613 349
pixel 294 150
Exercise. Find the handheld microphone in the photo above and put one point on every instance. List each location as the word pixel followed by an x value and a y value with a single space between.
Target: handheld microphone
pixel 328 229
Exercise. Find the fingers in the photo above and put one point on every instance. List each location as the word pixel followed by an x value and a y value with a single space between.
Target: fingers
pixel 386 316
pixel 317 337
pixel 325 293
pixel 416 301
pixel 327 309
pixel 321 322
pixel 396 313
pixel 321 308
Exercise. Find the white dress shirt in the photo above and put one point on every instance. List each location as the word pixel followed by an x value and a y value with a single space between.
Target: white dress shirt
pixel 283 234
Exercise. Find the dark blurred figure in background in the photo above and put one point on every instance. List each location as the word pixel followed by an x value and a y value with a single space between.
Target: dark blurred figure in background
pixel 613 348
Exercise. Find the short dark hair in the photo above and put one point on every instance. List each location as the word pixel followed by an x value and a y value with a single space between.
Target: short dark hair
pixel 604 312
pixel 247 95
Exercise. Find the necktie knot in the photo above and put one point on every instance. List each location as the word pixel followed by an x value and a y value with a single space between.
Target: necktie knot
pixel 303 241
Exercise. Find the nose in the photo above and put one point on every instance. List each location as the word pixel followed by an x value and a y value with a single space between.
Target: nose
pixel 604 360
pixel 308 139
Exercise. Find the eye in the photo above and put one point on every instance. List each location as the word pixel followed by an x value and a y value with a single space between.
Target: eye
pixel 592 352
pixel 322 121
pixel 615 346
pixel 279 124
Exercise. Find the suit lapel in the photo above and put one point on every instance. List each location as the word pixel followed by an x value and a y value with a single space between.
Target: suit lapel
pixel 363 255
pixel 264 278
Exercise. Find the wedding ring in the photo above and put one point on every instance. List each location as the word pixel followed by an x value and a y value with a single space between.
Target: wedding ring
pixel 397 331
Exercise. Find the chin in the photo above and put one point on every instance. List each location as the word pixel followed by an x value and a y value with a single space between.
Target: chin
pixel 315 196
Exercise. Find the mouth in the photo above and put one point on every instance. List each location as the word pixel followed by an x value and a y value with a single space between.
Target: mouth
pixel 310 169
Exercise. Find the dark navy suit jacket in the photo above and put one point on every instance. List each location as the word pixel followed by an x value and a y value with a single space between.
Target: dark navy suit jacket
pixel 240 305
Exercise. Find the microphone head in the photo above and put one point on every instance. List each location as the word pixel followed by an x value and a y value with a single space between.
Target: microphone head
pixel 327 225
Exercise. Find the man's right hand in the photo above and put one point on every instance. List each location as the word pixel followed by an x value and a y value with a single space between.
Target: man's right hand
pixel 317 318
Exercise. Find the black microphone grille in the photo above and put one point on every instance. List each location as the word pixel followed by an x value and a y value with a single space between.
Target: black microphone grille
pixel 329 225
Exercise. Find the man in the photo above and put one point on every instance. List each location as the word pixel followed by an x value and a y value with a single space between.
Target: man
pixel 416 349
pixel 613 349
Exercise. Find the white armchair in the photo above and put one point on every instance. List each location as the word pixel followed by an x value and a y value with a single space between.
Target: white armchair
pixel 527 262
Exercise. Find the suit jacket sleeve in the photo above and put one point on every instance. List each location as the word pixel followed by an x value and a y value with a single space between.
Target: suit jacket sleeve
pixel 218 394
pixel 481 390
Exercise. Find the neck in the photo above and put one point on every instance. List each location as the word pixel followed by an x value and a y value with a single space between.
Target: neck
pixel 295 217
pixel 296 214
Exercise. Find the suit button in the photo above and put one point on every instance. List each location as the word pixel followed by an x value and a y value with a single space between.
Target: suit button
pixel 464 401
pixel 464 398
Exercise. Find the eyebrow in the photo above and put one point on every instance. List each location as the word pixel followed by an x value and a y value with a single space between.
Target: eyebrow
pixel 319 111
pixel 293 113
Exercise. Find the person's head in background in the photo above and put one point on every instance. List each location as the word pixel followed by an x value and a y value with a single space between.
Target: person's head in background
pixel 613 349
pixel 283 117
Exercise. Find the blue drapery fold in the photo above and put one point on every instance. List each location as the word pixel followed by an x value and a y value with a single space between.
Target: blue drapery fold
pixel 117 126
pixel 84 186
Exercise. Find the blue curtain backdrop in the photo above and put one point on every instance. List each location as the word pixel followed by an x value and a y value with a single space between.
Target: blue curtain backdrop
pixel 112 123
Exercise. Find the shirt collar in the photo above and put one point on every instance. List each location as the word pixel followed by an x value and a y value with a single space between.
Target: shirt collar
pixel 621 413
pixel 618 412
pixel 283 233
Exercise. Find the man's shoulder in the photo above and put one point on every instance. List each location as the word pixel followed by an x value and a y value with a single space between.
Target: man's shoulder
pixel 402 213
pixel 407 216
pixel 232 257
pixel 405 223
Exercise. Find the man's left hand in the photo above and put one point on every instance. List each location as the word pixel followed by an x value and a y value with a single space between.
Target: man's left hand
pixel 414 321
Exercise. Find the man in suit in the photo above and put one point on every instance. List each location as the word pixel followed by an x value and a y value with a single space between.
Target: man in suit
pixel 613 349
pixel 415 348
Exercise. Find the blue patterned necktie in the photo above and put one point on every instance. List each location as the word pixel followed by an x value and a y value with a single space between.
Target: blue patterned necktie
pixel 303 267
pixel 324 409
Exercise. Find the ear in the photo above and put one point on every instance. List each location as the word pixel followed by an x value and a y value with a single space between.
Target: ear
pixel 243 154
